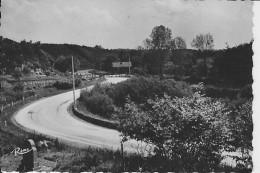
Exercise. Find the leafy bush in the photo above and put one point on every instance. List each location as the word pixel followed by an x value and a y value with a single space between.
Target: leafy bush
pixel 241 126
pixel 63 63
pixel 9 96
pixel 97 103
pixel 19 87
pixel 12 96
pixel 139 89
pixel 189 133
pixel 142 88
pixel 77 82
pixel 64 85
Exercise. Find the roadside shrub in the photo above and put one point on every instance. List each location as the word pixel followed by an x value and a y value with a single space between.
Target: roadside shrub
pixel 99 100
pixel 9 96
pixel 241 126
pixel 63 85
pixel 19 87
pixel 142 88
pixel 77 82
pixel 12 96
pixel 97 103
pixel 98 88
pixel 188 133
pixel 28 93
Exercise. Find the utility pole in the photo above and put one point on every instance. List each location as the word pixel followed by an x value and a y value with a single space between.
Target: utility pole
pixel 129 65
pixel 122 156
pixel 73 81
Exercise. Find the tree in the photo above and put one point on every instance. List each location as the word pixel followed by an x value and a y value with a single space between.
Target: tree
pixel 150 60
pixel 98 47
pixel 98 56
pixel 37 46
pixel 107 63
pixel 161 37
pixel 203 42
pixel 140 48
pixel 28 48
pixel 188 133
pixel 160 40
pixel 178 43
pixel 147 43
pixel 234 65
pixel 63 64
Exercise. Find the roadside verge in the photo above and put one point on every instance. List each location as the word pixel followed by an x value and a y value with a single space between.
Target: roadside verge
pixel 96 121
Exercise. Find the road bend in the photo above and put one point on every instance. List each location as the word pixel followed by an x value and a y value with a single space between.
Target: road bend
pixel 50 117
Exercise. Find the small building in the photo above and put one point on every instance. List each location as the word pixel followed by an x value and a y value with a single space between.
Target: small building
pixel 99 73
pixel 82 72
pixel 85 74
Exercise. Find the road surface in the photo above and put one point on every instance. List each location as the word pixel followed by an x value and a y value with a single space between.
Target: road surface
pixel 50 116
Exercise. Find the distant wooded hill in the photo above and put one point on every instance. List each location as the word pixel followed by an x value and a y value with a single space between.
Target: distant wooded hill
pixel 14 54
pixel 232 66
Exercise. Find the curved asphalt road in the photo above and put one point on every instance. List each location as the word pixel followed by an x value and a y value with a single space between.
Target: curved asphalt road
pixel 50 116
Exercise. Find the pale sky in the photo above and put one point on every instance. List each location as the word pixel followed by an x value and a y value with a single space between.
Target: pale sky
pixel 125 23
